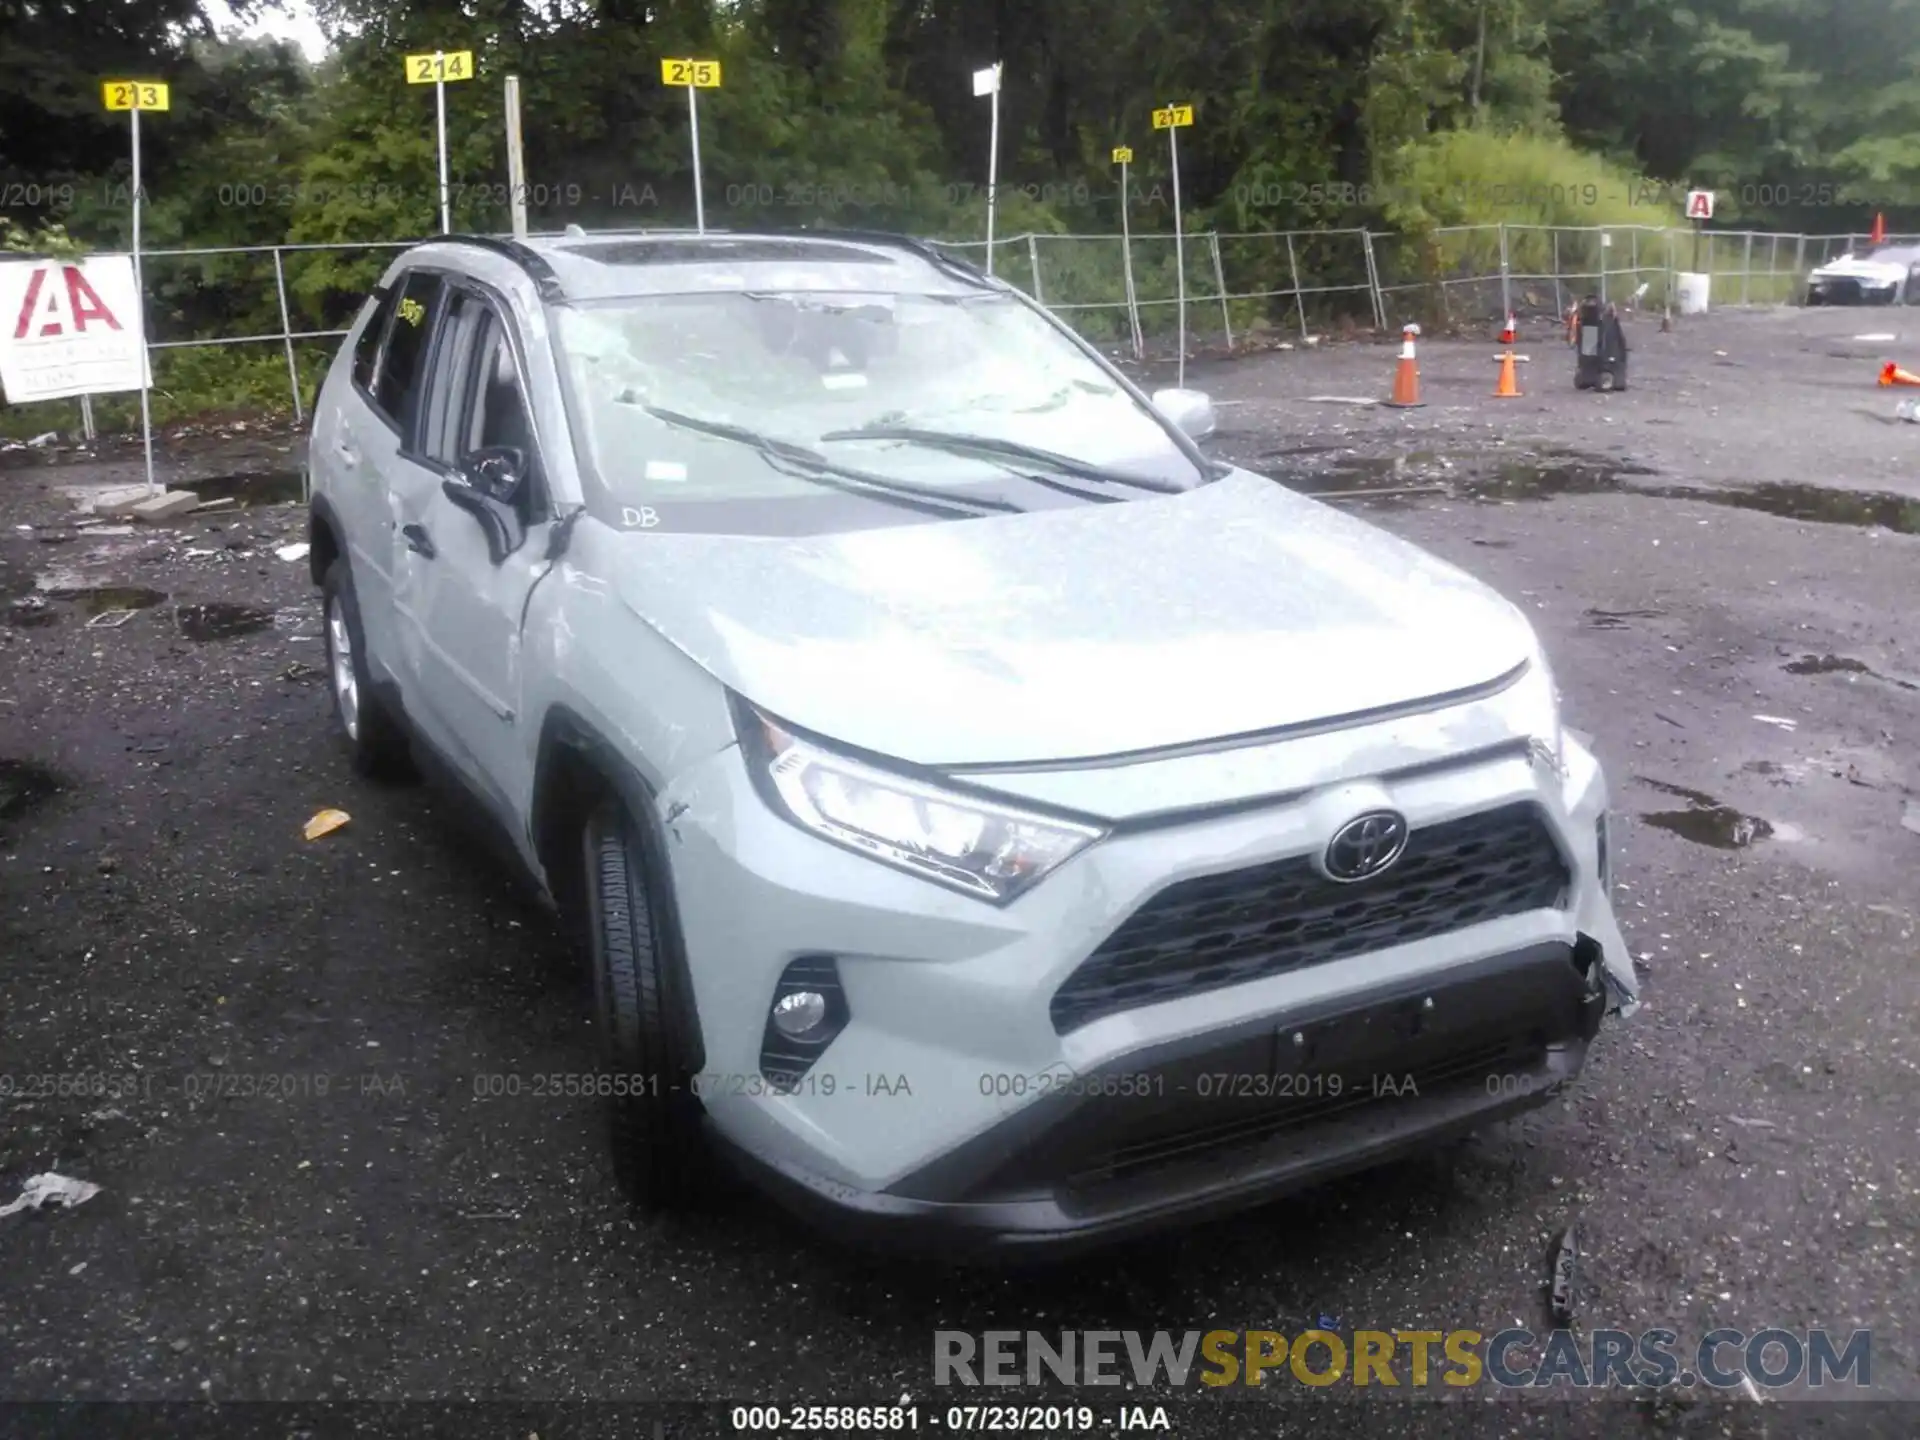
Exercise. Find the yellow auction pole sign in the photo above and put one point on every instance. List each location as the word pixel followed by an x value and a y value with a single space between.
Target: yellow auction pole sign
pixel 1123 157
pixel 436 70
pixel 696 75
pixel 1172 118
pixel 133 96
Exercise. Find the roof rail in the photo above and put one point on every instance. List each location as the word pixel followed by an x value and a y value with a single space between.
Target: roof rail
pixel 925 249
pixel 525 256
pixel 551 289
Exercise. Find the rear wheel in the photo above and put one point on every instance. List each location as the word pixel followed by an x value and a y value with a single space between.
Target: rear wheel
pixel 659 1154
pixel 376 742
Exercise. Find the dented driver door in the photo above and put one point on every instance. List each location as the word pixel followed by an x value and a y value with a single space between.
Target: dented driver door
pixel 463 571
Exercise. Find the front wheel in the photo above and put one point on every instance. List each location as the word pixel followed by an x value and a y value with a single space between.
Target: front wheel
pixel 659 1154
pixel 376 743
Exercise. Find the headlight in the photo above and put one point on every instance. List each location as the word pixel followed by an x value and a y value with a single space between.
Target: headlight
pixel 966 843
pixel 1536 713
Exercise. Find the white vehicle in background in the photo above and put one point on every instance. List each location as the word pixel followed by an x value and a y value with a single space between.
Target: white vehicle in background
pixel 1883 275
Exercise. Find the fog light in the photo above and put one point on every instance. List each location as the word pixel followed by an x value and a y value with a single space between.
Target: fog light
pixel 799 1014
pixel 807 1013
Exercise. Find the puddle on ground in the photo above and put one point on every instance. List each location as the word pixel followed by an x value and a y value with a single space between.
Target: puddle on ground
pixel 1567 474
pixel 1843 665
pixel 248 488
pixel 1617 619
pixel 218 620
pixel 105 599
pixel 1708 821
pixel 1899 513
pixel 58 588
pixel 23 785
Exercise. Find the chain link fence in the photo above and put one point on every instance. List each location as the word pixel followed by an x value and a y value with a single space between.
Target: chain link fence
pixel 1242 289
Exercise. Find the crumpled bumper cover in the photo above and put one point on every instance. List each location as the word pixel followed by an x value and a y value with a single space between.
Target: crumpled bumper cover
pixel 1230 1119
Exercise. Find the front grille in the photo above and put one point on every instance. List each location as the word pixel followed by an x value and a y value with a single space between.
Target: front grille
pixel 1333 1097
pixel 1219 930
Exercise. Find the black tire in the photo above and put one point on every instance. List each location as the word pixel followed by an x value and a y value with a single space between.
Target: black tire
pixel 376 742
pixel 654 1117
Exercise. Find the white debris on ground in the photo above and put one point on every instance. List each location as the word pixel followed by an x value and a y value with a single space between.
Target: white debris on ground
pixel 49 1188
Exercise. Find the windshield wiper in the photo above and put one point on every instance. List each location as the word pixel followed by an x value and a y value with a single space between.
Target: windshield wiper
pixel 805 464
pixel 995 447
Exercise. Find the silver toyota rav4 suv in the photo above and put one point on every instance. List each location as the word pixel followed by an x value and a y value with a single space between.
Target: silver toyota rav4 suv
pixel 989 819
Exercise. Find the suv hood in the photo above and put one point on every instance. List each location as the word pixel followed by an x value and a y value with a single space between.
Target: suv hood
pixel 1852 267
pixel 1076 633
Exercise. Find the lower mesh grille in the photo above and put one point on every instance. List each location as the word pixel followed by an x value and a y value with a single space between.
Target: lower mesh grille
pixel 1220 930
pixel 1316 1104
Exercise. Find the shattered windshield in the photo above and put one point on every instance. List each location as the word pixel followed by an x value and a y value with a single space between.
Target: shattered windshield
pixel 801 370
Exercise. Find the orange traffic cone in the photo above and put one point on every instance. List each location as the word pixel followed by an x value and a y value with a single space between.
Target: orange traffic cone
pixel 1507 333
pixel 1894 375
pixel 1509 386
pixel 1406 377
pixel 1879 234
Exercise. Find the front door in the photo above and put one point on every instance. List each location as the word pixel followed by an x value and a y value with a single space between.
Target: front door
pixel 459 602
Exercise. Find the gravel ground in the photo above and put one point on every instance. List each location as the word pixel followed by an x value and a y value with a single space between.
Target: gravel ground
pixel 305 1198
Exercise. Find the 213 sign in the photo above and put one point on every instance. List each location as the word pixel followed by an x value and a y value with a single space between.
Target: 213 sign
pixel 134 95
pixel 699 74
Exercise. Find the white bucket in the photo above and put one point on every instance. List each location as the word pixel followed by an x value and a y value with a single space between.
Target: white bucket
pixel 1690 292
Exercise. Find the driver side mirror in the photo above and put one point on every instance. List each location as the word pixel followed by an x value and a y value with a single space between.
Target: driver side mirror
pixel 496 470
pixel 488 487
pixel 1190 410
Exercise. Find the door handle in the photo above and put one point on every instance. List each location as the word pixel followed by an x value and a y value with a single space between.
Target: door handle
pixel 418 540
pixel 346 452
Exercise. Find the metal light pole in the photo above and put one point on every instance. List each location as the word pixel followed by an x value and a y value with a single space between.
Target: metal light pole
pixel 440 129
pixel 140 291
pixel 1123 156
pixel 987 82
pixel 695 75
pixel 436 69
pixel 516 162
pixel 133 96
pixel 1170 119
pixel 699 191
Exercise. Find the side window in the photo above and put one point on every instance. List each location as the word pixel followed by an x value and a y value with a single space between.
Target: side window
pixel 397 387
pixel 497 411
pixel 366 350
pixel 452 378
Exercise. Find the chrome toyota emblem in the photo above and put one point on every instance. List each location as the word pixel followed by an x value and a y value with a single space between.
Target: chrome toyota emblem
pixel 1364 847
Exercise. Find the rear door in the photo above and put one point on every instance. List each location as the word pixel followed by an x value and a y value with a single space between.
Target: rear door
pixel 459 606
pixel 341 414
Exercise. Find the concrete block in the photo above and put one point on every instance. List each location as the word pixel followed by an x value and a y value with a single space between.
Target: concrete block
pixel 165 506
pixel 115 501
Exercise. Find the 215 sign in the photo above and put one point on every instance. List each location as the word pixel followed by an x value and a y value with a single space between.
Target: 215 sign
pixel 698 74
